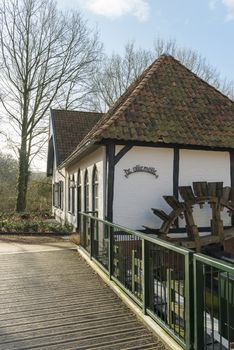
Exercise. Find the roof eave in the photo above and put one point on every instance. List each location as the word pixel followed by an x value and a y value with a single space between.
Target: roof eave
pixel 78 154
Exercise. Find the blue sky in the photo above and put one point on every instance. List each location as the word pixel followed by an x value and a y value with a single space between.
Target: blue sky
pixel 204 25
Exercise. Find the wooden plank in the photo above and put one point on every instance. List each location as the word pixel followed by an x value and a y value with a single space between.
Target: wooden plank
pixel 173 202
pixel 186 193
pixel 55 301
pixel 200 189
pixel 161 214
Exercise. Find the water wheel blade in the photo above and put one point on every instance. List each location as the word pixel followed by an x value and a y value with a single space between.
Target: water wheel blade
pixel 200 189
pixel 151 230
pixel 186 193
pixel 160 213
pixel 173 202
pixel 215 189
pixel 226 193
pixel 219 189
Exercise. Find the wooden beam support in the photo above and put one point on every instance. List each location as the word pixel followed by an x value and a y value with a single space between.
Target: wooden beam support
pixel 176 164
pixel 176 172
pixel 112 160
pixel 110 157
pixel 122 152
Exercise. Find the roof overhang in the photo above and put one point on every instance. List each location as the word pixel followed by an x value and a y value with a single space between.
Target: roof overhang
pixel 79 154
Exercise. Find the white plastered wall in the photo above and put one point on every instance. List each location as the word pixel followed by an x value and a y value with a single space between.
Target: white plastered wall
pixel 136 195
pixel 95 158
pixel 59 176
pixel 211 166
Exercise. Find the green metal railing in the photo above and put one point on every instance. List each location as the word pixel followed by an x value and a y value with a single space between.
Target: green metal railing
pixel 153 273
pixel 189 295
pixel 214 303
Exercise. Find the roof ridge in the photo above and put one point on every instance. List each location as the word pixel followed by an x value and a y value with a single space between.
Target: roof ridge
pixel 74 111
pixel 204 81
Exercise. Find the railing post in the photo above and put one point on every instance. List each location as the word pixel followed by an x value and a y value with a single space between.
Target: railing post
pixel 189 302
pixel 111 255
pixel 145 275
pixel 198 304
pixel 91 237
pixel 84 233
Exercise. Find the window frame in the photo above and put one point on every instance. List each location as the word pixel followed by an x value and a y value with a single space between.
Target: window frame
pixel 86 191
pixel 95 190
pixel 71 194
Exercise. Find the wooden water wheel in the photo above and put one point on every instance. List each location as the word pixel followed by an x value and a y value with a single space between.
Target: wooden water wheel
pixel 214 194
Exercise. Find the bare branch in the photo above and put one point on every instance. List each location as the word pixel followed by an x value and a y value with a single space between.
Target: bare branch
pixel 45 55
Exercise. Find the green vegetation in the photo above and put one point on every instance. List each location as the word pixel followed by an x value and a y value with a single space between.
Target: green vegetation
pixel 39 222
pixel 39 194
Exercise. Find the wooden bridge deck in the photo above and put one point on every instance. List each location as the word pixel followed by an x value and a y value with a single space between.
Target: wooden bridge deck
pixel 54 300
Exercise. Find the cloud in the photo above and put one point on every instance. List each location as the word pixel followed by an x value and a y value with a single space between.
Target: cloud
pixel 118 8
pixel 230 7
pixel 229 4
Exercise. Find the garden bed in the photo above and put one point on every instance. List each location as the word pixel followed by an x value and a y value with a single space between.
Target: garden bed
pixel 38 223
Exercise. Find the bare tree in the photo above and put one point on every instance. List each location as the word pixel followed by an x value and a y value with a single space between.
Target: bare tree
pixel 115 74
pixel 118 72
pixel 42 52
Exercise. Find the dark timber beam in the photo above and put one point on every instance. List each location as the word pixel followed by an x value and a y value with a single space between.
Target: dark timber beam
pixel 176 172
pixel 110 157
pixel 112 160
pixel 232 179
pixel 122 152
pixel 165 145
pixel 176 165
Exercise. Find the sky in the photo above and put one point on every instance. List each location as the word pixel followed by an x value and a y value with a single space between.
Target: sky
pixel 206 26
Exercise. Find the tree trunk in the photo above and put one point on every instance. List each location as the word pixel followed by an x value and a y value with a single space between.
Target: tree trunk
pixel 22 178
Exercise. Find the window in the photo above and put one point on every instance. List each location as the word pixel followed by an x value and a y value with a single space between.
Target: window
pixel 71 194
pixel 78 196
pixel 95 190
pixel 61 195
pixel 78 192
pixel 58 194
pixel 86 191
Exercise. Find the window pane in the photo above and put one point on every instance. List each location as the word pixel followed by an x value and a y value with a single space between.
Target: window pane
pixel 95 190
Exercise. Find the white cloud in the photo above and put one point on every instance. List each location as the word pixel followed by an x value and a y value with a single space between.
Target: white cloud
pixel 230 7
pixel 118 8
pixel 229 4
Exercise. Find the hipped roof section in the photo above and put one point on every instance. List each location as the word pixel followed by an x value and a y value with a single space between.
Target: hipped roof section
pixel 171 105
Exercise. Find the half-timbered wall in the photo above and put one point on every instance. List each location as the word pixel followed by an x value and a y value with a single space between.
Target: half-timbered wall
pixel 136 195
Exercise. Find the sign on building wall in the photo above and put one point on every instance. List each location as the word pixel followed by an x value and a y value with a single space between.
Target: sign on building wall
pixel 140 169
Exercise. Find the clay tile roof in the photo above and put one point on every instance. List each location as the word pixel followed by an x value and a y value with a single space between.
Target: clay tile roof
pixel 170 104
pixel 69 128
